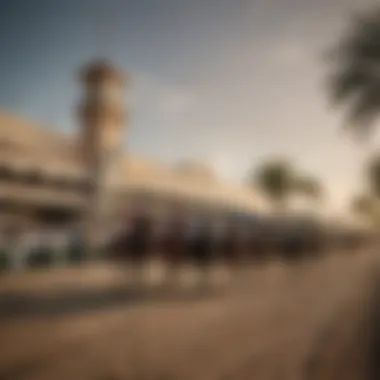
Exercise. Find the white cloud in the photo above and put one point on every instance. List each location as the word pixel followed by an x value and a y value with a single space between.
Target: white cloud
pixel 227 166
pixel 289 53
pixel 174 104
pixel 165 102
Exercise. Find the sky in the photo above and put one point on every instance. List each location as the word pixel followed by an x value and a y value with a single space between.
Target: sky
pixel 228 82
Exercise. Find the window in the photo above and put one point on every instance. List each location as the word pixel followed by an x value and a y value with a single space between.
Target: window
pixel 6 173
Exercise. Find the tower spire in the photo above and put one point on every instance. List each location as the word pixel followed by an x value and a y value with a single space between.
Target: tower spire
pixel 102 119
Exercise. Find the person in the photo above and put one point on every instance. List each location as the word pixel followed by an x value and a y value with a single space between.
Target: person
pixel 174 245
pixel 76 246
pixel 140 239
pixel 232 247
pixel 9 239
pixel 256 242
pixel 35 247
pixel 118 246
pixel 201 248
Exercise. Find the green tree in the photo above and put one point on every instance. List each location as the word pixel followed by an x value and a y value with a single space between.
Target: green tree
pixel 367 205
pixel 274 179
pixel 278 180
pixel 355 75
pixel 373 176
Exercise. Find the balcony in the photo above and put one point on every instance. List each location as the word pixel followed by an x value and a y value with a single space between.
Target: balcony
pixel 41 196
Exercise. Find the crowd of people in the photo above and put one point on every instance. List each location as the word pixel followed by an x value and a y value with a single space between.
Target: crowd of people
pixel 175 240
pixel 204 241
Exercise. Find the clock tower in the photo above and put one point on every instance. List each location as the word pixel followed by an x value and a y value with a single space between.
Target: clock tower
pixel 102 115
pixel 102 118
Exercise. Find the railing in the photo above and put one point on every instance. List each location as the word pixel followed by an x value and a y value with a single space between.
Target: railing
pixel 39 250
pixel 59 248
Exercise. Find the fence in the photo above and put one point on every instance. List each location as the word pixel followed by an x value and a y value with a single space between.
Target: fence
pixel 32 250
pixel 60 248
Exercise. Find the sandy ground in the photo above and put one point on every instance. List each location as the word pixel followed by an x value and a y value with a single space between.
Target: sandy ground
pixel 96 276
pixel 62 279
pixel 275 322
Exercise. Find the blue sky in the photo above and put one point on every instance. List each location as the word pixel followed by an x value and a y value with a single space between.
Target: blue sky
pixel 225 81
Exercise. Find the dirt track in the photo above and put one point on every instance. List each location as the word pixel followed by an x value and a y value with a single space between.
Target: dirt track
pixel 306 322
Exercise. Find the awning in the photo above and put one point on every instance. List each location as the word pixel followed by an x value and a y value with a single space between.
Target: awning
pixel 31 195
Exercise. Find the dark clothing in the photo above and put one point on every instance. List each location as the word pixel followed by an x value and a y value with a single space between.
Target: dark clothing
pixel 76 247
pixel 258 246
pixel 201 247
pixel 230 249
pixel 292 246
pixel 175 243
pixel 140 238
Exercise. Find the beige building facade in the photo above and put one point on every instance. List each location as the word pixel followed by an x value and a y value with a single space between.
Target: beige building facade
pixel 48 176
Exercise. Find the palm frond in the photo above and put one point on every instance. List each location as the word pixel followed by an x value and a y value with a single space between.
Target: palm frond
pixel 373 176
pixel 362 204
pixel 364 111
pixel 355 78
pixel 274 179
pixel 308 186
pixel 347 81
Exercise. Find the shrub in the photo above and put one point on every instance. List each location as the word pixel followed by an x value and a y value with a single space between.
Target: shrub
pixel 76 253
pixel 41 257
pixel 4 261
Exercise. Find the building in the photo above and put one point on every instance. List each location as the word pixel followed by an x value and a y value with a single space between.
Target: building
pixel 49 177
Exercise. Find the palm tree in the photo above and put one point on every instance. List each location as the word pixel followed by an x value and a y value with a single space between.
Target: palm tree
pixel 355 79
pixel 309 187
pixel 366 208
pixel 373 176
pixel 278 181
pixel 275 180
pixel 367 204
